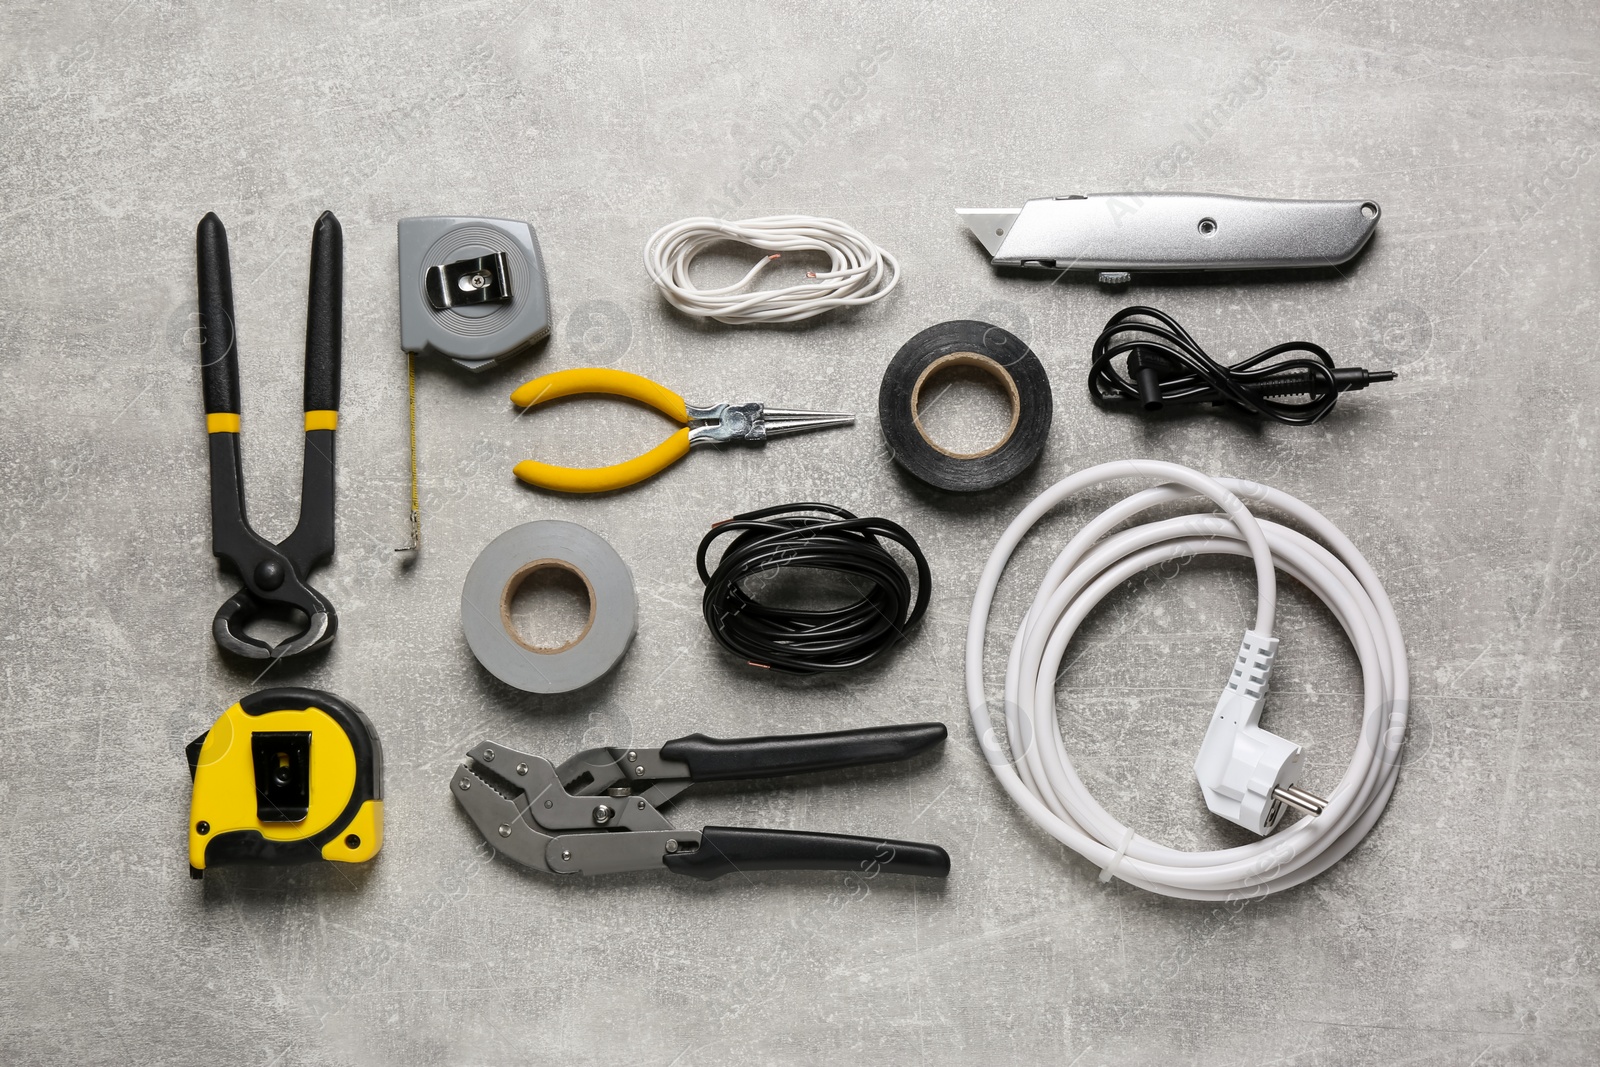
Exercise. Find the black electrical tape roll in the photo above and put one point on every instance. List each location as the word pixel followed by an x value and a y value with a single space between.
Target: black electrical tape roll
pixel 965 343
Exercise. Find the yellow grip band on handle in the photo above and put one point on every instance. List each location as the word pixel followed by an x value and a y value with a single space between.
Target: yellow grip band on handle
pixel 603 479
pixel 322 420
pixel 602 380
pixel 222 422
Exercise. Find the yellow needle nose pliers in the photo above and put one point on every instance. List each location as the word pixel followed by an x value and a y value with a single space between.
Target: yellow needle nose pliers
pixel 718 424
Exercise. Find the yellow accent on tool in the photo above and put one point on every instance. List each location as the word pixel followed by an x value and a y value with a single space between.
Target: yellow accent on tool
pixel 363 836
pixel 222 422
pixel 286 776
pixel 749 423
pixel 603 479
pixel 322 420
pixel 606 381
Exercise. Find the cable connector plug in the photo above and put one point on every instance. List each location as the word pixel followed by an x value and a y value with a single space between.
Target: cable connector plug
pixel 1165 367
pixel 1248 775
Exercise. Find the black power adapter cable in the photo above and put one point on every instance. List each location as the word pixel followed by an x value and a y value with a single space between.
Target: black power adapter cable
pixel 1167 366
pixel 820 537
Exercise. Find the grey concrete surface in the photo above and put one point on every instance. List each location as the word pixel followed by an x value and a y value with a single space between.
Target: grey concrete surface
pixel 1464 931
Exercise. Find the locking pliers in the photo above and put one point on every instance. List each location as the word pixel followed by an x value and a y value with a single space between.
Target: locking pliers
pixel 599 812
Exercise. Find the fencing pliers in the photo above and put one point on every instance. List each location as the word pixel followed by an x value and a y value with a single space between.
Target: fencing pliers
pixel 599 812
pixel 274 575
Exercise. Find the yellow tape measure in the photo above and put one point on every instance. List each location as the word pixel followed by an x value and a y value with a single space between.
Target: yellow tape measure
pixel 285 776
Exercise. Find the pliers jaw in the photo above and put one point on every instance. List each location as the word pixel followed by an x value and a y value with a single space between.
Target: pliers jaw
pixel 754 423
pixel 499 810
pixel 519 806
pixel 243 608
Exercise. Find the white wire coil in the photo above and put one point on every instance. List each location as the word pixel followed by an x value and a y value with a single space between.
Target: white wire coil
pixel 1033 766
pixel 860 271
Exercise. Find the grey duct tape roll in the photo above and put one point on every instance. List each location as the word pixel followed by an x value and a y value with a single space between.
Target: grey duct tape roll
pixel 968 343
pixel 502 567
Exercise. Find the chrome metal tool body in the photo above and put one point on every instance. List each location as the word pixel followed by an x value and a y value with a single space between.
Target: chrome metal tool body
pixel 599 812
pixel 1117 234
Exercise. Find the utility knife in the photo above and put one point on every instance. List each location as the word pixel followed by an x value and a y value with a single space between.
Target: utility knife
pixel 1116 234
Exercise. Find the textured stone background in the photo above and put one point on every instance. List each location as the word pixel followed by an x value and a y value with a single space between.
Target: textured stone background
pixel 1464 929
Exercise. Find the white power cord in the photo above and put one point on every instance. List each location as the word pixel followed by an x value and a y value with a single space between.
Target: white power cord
pixel 1239 764
pixel 860 271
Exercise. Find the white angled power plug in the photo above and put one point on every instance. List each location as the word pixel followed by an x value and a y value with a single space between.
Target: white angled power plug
pixel 1247 774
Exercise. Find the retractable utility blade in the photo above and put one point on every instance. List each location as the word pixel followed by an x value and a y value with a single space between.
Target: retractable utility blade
pixel 1116 234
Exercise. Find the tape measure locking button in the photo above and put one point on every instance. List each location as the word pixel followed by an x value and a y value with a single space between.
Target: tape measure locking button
pixel 285 776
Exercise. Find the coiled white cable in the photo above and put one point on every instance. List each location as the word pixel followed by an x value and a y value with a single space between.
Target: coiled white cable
pixel 860 271
pixel 1034 767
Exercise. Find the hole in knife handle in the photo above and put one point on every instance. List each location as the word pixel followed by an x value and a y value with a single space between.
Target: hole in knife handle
pixel 1369 210
pixel 1207 227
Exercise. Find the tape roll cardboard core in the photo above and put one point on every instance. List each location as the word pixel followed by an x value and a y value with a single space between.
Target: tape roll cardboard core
pixel 979 362
pixel 515 584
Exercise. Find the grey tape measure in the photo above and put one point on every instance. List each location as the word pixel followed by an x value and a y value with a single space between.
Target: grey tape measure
pixel 968 343
pixel 472 290
pixel 500 570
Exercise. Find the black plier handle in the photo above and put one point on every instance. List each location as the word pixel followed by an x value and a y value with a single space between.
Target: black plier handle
pixel 273 575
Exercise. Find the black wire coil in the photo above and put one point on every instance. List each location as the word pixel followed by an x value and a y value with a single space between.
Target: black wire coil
pixel 1188 375
pixel 822 537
